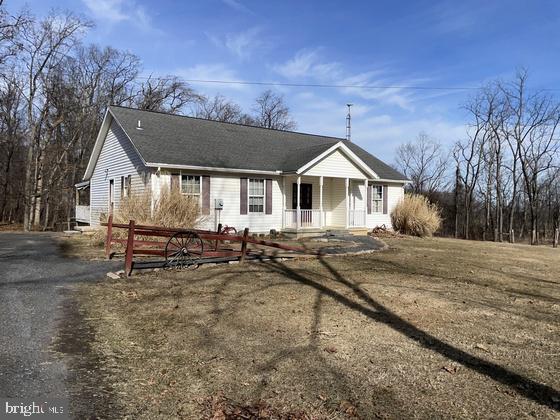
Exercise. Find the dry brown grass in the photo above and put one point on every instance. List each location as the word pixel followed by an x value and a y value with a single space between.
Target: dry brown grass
pixel 172 209
pixel 415 215
pixel 431 328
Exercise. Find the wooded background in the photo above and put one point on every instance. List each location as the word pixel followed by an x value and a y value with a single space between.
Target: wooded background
pixel 501 178
pixel 53 94
pixel 501 181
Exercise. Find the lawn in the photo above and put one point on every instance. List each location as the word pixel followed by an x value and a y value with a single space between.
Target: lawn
pixel 428 328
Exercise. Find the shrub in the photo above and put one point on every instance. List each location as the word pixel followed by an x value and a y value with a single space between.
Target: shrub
pixel 172 209
pixel 415 215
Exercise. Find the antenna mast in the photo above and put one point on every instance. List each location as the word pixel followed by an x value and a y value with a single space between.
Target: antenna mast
pixel 348 123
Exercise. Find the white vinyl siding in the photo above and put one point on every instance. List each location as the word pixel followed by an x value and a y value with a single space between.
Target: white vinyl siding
pixel 117 160
pixel 336 165
pixel 227 187
pixel 395 193
pixel 337 194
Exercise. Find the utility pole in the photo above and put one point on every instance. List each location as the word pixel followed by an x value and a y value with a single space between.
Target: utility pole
pixel 348 123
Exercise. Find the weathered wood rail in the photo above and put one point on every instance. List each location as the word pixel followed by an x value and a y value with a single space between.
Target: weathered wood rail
pixel 184 247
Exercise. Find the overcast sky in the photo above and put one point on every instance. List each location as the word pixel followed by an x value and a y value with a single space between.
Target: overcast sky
pixel 393 43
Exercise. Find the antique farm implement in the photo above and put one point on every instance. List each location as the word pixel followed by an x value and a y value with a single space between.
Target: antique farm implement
pixel 182 248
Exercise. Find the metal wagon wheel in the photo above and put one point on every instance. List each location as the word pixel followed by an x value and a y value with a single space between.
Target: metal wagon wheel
pixel 183 249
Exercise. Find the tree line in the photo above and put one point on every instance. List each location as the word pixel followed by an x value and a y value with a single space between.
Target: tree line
pixel 54 90
pixel 501 181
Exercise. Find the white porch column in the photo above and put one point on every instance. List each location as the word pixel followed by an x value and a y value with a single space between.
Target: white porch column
pixel 347 200
pixel 365 201
pixel 321 201
pixel 283 202
pixel 298 216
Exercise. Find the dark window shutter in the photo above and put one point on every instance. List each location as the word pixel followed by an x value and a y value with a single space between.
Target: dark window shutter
pixel 205 194
pixel 369 198
pixel 268 196
pixel 385 207
pixel 175 182
pixel 243 196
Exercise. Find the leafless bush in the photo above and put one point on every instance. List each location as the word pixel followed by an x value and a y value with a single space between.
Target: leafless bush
pixel 414 215
pixel 172 209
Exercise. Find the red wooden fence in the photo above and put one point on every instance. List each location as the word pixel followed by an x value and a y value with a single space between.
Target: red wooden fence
pixel 213 240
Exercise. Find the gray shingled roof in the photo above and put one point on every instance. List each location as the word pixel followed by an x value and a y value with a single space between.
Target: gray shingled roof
pixel 178 140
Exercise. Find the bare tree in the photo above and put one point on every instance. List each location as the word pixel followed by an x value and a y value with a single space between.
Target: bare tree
pixel 272 112
pixel 534 122
pixel 469 156
pixel 167 94
pixel 219 108
pixel 44 44
pixel 12 151
pixel 424 162
pixel 9 29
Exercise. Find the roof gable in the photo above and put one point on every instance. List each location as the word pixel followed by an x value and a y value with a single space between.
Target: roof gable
pixel 340 161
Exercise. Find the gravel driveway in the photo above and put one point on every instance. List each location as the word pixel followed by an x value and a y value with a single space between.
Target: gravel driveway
pixel 34 283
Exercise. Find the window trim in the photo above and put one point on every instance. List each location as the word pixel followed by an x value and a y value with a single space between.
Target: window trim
pixel 255 195
pixel 199 194
pixel 374 200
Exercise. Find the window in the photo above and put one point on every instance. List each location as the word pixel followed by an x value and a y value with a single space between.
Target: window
pixel 377 197
pixel 190 185
pixel 126 185
pixel 256 195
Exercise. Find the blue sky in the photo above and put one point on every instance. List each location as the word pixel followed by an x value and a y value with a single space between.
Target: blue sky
pixel 405 43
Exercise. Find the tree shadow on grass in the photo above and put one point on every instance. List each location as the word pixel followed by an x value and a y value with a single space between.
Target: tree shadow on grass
pixel 542 394
pixel 315 372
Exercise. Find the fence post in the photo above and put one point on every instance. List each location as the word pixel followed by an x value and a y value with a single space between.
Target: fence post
pixel 556 235
pixel 218 232
pixel 109 237
pixel 244 245
pixel 129 249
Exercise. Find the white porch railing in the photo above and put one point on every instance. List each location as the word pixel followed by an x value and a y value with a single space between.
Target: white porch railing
pixel 82 213
pixel 356 218
pixel 307 218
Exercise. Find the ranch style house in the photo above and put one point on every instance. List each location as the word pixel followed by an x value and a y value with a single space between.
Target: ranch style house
pixel 243 176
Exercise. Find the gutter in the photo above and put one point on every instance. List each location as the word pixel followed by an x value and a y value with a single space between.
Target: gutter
pixel 211 169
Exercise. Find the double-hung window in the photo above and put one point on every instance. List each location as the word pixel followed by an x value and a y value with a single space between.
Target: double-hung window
pixel 126 186
pixel 377 198
pixel 256 195
pixel 190 185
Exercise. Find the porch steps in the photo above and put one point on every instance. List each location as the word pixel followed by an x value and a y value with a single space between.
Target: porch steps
pixel 359 231
pixel 326 231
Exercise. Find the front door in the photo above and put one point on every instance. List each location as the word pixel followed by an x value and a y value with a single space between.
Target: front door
pixel 305 203
pixel 305 196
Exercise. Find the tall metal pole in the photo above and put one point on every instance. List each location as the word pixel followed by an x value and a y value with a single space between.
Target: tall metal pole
pixel 348 123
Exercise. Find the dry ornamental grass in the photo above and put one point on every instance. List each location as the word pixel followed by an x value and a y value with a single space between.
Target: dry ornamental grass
pixel 172 209
pixel 415 215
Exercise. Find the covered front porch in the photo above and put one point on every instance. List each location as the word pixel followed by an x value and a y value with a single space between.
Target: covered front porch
pixel 322 203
